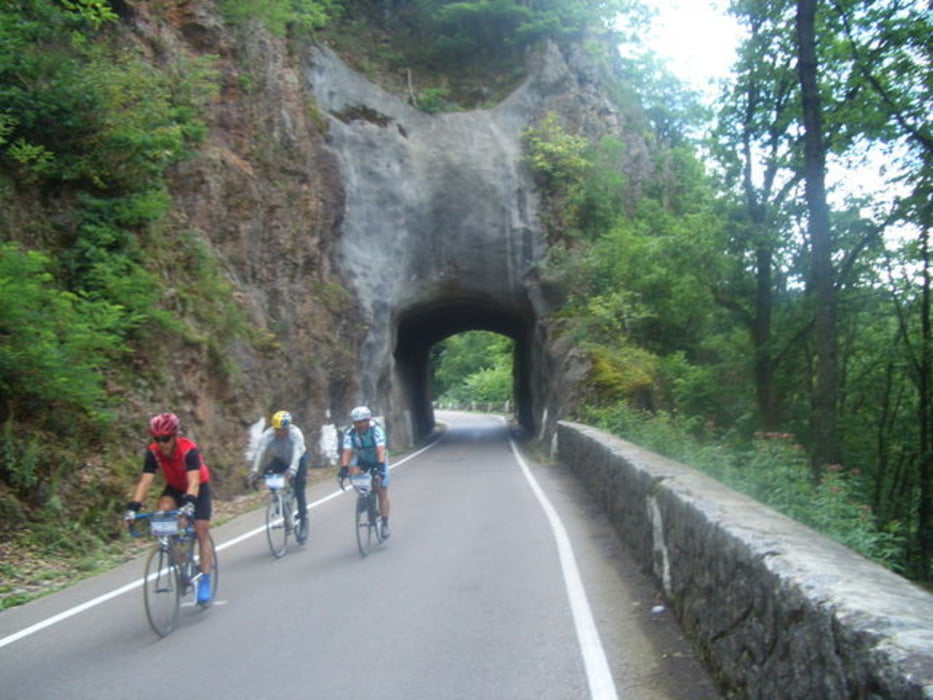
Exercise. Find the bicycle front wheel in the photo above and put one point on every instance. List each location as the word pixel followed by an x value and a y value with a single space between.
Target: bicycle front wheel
pixel 364 533
pixel 375 520
pixel 161 591
pixel 276 529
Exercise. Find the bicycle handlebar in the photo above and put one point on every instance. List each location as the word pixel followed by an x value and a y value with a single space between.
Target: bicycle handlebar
pixel 149 516
pixel 154 513
pixel 376 478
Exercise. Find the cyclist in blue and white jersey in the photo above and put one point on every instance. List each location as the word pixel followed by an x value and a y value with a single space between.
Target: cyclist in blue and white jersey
pixel 363 448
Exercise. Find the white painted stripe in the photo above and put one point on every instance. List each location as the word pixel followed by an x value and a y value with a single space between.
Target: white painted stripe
pixel 598 676
pixel 71 612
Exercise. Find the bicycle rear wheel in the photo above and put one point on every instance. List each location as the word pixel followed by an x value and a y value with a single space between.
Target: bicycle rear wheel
pixel 364 533
pixel 276 529
pixel 161 591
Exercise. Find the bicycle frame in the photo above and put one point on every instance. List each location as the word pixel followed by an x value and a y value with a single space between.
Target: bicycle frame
pixel 172 567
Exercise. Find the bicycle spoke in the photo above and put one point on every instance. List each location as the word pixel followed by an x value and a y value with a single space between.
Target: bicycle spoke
pixel 161 591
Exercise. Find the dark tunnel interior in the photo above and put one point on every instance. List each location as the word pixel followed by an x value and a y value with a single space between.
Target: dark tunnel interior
pixel 419 328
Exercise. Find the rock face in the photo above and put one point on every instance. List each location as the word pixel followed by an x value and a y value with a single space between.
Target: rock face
pixel 440 230
pixel 263 198
pixel 353 241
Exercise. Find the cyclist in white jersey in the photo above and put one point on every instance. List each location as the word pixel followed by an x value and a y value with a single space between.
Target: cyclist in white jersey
pixel 281 449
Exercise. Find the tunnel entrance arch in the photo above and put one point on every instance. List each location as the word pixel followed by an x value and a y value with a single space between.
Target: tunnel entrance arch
pixel 418 329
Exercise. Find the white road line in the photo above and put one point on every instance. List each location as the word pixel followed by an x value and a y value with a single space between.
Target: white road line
pixel 598 676
pixel 71 612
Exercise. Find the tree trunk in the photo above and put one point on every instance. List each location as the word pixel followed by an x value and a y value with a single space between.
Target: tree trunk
pixel 925 508
pixel 761 334
pixel 825 446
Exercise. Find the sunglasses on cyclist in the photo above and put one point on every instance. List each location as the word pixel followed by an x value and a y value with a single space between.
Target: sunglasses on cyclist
pixel 163 438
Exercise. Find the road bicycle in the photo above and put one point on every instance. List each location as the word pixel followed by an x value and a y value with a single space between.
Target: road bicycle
pixel 367 518
pixel 281 513
pixel 173 567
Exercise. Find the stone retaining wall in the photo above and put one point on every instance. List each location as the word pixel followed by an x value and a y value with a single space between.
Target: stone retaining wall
pixel 775 609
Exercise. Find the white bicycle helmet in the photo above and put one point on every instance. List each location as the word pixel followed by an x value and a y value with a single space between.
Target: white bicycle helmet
pixel 360 413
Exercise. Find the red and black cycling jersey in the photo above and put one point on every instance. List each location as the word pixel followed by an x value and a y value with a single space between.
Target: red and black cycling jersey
pixel 185 458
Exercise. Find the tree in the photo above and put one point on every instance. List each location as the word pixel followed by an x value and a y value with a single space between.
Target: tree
pixel 891 50
pixel 825 443
pixel 755 144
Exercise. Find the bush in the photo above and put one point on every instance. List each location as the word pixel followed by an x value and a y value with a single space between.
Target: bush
pixel 773 470
pixel 55 343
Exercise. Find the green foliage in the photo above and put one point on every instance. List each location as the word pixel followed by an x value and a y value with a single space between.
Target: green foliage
pixel 281 16
pixel 433 100
pixel 695 304
pixel 96 12
pixel 562 170
pixel 6 127
pixel 36 160
pixel 77 109
pixel 473 366
pixel 55 343
pixel 616 372
pixel 97 124
pixel 104 262
pixel 773 469
pixel 486 30
pixel 492 385
pixel 147 117
pixel 557 158
pixel 477 49
pixel 649 90
pixel 716 392
pixel 483 27
pixel 205 297
pixel 648 278
pixel 19 462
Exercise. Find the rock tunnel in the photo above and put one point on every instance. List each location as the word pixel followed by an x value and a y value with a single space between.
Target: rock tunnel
pixel 440 233
pixel 422 326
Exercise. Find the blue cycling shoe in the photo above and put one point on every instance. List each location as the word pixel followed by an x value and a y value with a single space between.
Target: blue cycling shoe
pixel 204 589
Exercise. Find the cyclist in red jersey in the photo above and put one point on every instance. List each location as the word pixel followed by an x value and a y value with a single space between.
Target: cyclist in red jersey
pixel 187 487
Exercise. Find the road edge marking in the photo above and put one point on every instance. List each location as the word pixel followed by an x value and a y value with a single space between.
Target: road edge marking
pixel 87 605
pixel 598 675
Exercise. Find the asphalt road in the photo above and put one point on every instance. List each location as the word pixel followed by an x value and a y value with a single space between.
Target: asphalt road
pixel 501 580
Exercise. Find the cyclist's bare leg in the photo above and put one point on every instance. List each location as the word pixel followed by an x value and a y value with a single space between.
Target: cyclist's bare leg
pixel 202 529
pixel 383 493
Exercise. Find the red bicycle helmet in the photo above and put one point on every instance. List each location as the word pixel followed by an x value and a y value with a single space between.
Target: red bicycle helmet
pixel 164 424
